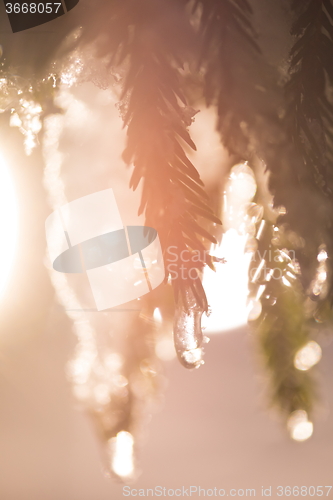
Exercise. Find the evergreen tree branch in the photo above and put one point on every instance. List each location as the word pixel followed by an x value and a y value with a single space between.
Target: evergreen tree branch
pixel 282 326
pixel 236 77
pixel 149 39
pixel 309 117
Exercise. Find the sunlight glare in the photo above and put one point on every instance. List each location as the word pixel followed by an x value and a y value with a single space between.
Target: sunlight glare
pixel 8 224
pixel 227 288
pixel 299 426
pixel 121 448
pixel 308 356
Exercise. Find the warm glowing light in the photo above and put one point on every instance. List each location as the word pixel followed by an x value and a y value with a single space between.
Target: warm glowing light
pixel 71 74
pixel 260 230
pixel 164 348
pixel 157 315
pixel 113 362
pixel 308 356
pixel 254 310
pixel 245 186
pixel 319 285
pixel 299 426
pixel 322 256
pixel 193 357
pixel 27 119
pixel 285 281
pixel 227 288
pixel 102 394
pixel 258 270
pixel 8 224
pixel 79 369
pixel 121 449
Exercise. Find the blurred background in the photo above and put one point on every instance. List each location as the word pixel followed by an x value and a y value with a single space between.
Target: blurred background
pixel 213 427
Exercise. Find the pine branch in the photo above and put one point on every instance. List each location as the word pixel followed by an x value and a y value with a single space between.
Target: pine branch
pixel 283 333
pixel 309 117
pixel 236 76
pixel 311 69
pixel 156 135
pixel 150 38
pixel 282 327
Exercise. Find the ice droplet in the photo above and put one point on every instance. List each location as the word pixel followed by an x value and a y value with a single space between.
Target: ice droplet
pixel 193 356
pixel 188 337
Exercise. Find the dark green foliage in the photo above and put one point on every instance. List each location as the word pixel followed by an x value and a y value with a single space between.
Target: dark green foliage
pixel 236 77
pixel 282 332
pixel 309 121
pixel 282 327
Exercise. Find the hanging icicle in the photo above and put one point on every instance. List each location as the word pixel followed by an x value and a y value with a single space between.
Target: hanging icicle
pixel 188 336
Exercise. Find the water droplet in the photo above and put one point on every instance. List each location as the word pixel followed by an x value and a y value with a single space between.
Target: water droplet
pixel 188 337
pixel 193 357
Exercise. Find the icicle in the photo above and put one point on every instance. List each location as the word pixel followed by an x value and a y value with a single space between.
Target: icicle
pixel 116 379
pixel 188 337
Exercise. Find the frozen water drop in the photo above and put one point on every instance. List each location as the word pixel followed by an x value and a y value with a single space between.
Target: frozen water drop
pixel 187 332
pixel 193 357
